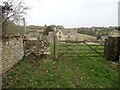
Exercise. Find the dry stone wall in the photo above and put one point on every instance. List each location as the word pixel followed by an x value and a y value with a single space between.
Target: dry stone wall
pixel 15 48
pixel 12 52
pixel 38 47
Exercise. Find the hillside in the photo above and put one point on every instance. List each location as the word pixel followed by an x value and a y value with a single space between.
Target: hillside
pixel 85 37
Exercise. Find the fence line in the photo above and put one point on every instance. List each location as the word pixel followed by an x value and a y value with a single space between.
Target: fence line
pixel 78 48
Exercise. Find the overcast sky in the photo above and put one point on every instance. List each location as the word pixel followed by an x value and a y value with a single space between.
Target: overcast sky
pixel 73 13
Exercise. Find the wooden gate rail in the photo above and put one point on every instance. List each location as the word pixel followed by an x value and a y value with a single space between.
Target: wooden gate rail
pixel 69 46
pixel 94 49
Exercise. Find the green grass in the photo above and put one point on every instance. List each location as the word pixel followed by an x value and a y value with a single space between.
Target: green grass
pixel 80 50
pixel 86 37
pixel 64 73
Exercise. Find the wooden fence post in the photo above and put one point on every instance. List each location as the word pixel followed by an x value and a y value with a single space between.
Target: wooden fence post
pixel 112 49
pixel 105 49
pixel 55 47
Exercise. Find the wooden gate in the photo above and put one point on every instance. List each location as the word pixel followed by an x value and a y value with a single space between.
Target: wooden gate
pixel 79 49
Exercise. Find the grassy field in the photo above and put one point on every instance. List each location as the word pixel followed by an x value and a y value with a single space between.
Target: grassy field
pixel 63 73
pixel 85 37
pixel 80 50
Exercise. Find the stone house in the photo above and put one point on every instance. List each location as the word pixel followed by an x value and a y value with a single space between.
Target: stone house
pixel 64 34
pixel 70 34
pixel 60 35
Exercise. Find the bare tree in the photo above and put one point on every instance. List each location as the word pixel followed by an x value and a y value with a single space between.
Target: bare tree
pixel 13 10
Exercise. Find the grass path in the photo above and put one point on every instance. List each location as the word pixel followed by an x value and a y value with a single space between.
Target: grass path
pixel 84 72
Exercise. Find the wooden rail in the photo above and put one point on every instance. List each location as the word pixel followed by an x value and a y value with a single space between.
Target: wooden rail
pixel 78 48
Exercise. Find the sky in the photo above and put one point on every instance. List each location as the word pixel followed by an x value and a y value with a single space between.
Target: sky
pixel 72 13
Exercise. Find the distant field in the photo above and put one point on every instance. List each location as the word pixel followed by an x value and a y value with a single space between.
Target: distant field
pixel 86 37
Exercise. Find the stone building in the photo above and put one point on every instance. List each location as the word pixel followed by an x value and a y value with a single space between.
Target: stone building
pixel 64 34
